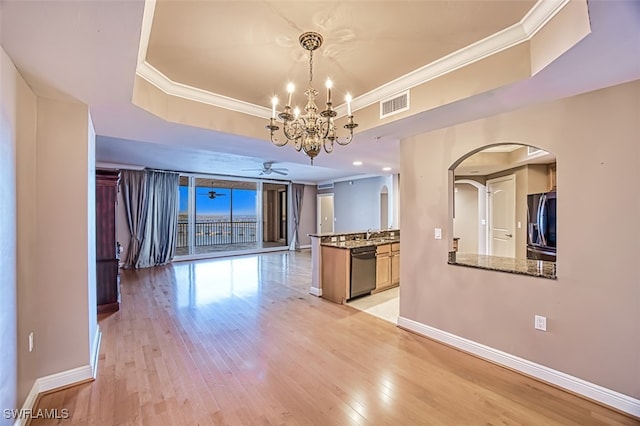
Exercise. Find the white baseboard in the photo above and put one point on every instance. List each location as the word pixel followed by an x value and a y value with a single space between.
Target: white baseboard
pixel 316 291
pixel 29 403
pixel 54 381
pixel 95 352
pixel 592 391
pixel 65 378
pixel 305 246
pixel 62 379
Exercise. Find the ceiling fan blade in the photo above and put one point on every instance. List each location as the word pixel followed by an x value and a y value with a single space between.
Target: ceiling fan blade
pixel 279 171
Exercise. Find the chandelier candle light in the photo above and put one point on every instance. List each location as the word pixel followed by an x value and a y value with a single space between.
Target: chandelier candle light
pixel 312 130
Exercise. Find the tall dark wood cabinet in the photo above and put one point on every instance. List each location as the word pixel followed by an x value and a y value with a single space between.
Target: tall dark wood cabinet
pixel 107 248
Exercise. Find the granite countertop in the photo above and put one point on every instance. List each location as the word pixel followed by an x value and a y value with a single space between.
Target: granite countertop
pixel 360 243
pixel 352 233
pixel 534 268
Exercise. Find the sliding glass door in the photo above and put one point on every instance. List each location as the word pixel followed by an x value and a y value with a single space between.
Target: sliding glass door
pixel 219 215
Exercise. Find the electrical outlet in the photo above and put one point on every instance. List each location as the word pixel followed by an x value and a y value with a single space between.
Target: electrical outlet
pixel 31 342
pixel 540 323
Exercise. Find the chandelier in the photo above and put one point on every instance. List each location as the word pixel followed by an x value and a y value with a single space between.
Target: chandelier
pixel 313 130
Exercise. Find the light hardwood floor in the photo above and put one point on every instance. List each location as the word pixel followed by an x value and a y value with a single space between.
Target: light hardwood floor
pixel 239 341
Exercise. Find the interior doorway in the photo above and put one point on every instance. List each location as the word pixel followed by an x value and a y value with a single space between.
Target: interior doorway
pixel 274 215
pixel 384 207
pixel 502 213
pixel 325 213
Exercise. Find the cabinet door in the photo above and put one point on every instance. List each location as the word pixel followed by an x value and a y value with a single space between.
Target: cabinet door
pixel 395 268
pixel 383 271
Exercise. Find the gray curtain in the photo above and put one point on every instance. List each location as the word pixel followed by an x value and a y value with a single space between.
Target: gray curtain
pixel 156 217
pixel 134 193
pixel 297 190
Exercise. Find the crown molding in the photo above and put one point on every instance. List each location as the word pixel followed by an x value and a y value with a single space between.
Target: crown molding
pixel 511 36
pixel 531 23
pixel 164 83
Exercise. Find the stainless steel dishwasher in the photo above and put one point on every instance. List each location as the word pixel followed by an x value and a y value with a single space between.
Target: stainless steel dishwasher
pixel 363 271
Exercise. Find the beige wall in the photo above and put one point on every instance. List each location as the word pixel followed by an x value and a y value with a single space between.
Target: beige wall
pixel 63 194
pixel 26 231
pixel 10 83
pixel 47 242
pixel 593 308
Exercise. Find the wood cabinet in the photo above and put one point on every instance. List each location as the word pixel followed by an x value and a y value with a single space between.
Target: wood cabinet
pixel 387 266
pixel 383 267
pixel 336 273
pixel 395 264
pixel 107 250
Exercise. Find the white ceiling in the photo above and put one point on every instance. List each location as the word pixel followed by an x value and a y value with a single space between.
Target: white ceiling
pixel 87 51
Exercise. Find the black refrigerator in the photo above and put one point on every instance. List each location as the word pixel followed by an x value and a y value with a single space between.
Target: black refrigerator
pixel 541 227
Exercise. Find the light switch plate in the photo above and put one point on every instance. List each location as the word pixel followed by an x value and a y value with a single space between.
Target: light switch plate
pixel 437 233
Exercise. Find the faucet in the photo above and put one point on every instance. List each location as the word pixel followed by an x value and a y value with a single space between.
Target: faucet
pixel 369 233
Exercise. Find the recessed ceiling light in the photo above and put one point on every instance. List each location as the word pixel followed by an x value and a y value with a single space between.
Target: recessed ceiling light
pixel 357 163
pixel 386 169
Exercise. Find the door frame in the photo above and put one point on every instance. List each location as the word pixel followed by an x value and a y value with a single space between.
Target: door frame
pixel 511 177
pixel 319 212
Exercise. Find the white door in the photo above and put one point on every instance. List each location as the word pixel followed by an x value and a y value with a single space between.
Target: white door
pixel 502 216
pixel 325 213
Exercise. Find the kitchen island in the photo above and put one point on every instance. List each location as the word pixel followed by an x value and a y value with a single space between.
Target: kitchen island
pixel 340 259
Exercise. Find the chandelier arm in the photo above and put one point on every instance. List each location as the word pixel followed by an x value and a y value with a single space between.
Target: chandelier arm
pixel 349 126
pixel 278 142
pixel 329 143
pixel 346 141
pixel 273 127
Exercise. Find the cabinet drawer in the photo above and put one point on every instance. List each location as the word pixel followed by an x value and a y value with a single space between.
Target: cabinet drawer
pixel 383 249
pixel 395 247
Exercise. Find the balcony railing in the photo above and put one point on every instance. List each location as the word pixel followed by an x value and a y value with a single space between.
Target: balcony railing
pixel 218 233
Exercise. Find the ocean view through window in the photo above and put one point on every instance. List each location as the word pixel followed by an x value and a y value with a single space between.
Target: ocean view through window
pixel 217 215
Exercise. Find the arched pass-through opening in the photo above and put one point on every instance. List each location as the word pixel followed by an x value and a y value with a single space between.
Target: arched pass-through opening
pixel 503 202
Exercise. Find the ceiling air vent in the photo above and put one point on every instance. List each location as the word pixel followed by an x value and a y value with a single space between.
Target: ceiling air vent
pixel 394 105
pixel 325 185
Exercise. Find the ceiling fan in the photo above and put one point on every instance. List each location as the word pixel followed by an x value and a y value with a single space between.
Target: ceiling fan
pixel 267 169
pixel 212 194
